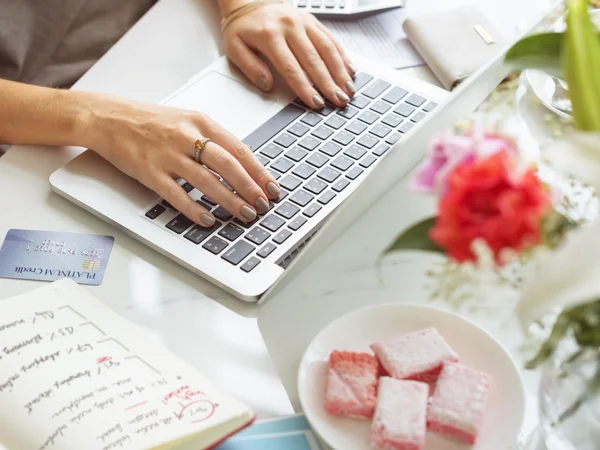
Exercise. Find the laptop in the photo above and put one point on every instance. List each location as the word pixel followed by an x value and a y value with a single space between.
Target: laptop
pixel 320 158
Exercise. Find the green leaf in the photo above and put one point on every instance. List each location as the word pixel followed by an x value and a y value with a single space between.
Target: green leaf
pixel 415 238
pixel 539 51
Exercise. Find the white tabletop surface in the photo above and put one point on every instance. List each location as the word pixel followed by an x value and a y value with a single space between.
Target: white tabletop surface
pixel 215 333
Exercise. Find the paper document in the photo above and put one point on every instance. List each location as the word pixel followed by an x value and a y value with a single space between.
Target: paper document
pixel 379 37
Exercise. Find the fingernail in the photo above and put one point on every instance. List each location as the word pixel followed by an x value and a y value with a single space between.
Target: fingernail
pixel 318 101
pixel 207 220
pixel 262 206
pixel 341 95
pixel 248 213
pixel 262 83
pixel 352 68
pixel 350 87
pixel 273 189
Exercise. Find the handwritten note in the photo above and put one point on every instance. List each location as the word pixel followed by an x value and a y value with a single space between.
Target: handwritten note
pixel 73 374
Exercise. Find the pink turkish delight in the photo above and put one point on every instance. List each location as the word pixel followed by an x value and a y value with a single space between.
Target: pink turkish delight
pixel 418 356
pixel 400 420
pixel 458 403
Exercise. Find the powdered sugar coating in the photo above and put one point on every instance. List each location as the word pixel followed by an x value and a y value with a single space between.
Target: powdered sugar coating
pixel 418 355
pixel 401 415
pixel 458 403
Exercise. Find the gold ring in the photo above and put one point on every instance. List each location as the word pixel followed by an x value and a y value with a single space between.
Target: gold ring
pixel 199 145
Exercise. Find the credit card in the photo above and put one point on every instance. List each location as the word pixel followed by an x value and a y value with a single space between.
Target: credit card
pixel 52 255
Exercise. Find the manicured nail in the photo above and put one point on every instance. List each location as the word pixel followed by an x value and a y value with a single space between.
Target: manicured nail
pixel 248 213
pixel 341 95
pixel 262 83
pixel 352 68
pixel 350 87
pixel 207 220
pixel 262 206
pixel 318 101
pixel 273 189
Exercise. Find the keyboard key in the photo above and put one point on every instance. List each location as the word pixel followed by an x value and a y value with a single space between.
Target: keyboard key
pixel 343 138
pixel 282 236
pixel 395 95
pixel 179 224
pixel 404 110
pixel 335 122
pixel 340 185
pixel 326 110
pixel 380 130
pixel 303 171
pixel 311 119
pixel 257 235
pixel 272 127
pixel 376 88
pixel 296 154
pixel 272 151
pixel 215 245
pixel 287 210
pixel 317 159
pixel 261 159
pixel 302 3
pixel 330 148
pixel 368 117
pixel 316 3
pixel 355 151
pixel 368 141
pixel 231 232
pixel 381 149
pixel 204 205
pixel 274 174
pixel 361 79
pixel 380 107
pixel 246 225
pixel 238 252
pixel 393 138
pixel 199 234
pixel 342 163
pixel 356 127
pixel 155 212
pixel 322 132
pixel 298 129
pixel 348 112
pixel 430 106
pixel 315 186
pixel 266 250
pixel 272 222
pixel 283 194
pixel 326 197
pixel 416 100
pixel 222 214
pixel 360 101
pixel 168 205
pixel 309 143
pixel 290 182
pixel 312 210
pixel 329 3
pixel 354 173
pixel 392 120
pixel 297 223
pixel 249 265
pixel 282 165
pixel 285 140
pixel 418 116
pixel 301 198
pixel 328 174
pixel 208 200
pixel 406 127
pixel 187 187
pixel 368 161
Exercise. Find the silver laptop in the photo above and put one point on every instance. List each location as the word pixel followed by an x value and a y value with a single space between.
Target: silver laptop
pixel 320 158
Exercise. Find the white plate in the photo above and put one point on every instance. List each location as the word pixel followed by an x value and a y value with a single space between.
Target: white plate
pixel 476 348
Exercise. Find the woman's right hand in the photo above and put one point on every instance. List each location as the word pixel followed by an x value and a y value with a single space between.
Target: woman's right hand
pixel 155 145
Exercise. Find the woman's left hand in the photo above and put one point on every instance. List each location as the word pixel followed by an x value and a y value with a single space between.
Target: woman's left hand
pixel 297 45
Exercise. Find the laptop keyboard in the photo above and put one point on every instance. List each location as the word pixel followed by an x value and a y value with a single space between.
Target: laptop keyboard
pixel 314 155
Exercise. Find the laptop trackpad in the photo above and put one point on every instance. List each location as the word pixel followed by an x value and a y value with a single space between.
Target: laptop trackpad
pixel 236 106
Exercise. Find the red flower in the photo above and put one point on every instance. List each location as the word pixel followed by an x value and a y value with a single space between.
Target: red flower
pixel 488 200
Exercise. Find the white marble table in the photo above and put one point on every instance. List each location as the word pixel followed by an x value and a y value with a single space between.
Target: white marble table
pixel 215 333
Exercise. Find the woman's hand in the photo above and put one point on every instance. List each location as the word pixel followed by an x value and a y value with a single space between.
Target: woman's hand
pixel 296 43
pixel 155 145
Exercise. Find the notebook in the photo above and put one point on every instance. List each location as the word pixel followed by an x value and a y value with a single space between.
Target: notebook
pixel 74 375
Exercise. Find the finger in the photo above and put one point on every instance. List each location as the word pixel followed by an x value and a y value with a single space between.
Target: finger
pixel 332 58
pixel 250 64
pixel 287 65
pixel 221 161
pixel 204 180
pixel 347 62
pixel 313 65
pixel 172 192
